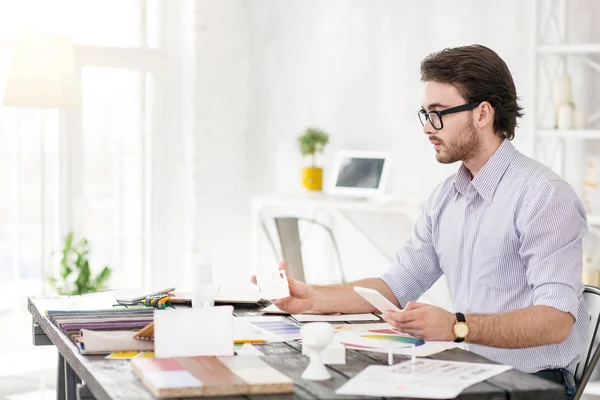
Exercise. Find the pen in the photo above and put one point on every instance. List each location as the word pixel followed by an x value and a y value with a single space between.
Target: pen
pixel 248 341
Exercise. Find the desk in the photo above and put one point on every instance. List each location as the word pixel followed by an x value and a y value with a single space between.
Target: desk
pixel 338 207
pixel 114 379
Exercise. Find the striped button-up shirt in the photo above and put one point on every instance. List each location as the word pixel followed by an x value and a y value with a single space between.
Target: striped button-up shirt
pixel 507 239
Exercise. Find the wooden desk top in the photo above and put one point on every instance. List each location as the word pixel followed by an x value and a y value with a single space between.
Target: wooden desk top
pixel 114 379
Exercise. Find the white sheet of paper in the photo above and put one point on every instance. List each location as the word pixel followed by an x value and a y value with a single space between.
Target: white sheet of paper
pixel 193 332
pixel 363 327
pixel 248 350
pixel 273 309
pixel 273 284
pixel 244 330
pixel 226 295
pixel 433 379
pixel 334 318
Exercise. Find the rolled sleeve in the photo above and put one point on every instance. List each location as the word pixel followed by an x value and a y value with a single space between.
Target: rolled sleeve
pixel 559 296
pixel 416 267
pixel 552 246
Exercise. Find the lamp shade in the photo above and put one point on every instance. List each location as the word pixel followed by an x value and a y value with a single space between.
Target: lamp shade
pixel 42 72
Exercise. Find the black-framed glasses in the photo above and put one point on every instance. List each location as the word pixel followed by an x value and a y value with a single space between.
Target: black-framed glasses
pixel 435 117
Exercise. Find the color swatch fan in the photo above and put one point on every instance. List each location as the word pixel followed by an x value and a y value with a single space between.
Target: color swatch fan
pixel 210 376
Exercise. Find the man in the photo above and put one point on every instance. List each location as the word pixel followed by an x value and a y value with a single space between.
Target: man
pixel 505 230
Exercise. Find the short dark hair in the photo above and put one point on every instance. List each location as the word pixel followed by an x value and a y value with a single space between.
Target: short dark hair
pixel 479 74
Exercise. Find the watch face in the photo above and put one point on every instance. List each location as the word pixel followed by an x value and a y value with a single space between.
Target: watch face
pixel 461 330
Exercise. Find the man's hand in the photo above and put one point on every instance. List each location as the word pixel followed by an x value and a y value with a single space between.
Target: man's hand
pixel 301 295
pixel 423 321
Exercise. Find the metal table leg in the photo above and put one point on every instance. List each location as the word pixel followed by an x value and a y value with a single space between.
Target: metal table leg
pixel 60 378
pixel 70 382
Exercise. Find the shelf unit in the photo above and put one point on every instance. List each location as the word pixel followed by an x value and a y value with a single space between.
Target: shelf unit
pixel 593 134
pixel 581 48
pixel 561 149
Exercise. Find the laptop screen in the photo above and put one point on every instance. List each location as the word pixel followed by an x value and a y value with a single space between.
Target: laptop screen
pixel 362 173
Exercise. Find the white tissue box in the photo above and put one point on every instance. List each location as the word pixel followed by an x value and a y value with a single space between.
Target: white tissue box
pixel 335 353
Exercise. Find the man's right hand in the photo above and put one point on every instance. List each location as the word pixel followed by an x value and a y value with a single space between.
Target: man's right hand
pixel 301 296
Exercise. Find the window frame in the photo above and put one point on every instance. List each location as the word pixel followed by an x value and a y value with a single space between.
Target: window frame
pixel 171 242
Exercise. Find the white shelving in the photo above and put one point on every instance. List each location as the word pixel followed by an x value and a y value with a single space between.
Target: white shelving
pixel 569 133
pixel 554 58
pixel 583 48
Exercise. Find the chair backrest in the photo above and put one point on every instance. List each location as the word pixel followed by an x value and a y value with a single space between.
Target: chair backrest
pixel 591 296
pixel 288 232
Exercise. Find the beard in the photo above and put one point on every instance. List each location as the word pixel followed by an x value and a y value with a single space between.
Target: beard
pixel 463 147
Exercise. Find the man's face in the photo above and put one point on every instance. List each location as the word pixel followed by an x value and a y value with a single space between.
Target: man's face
pixel 458 139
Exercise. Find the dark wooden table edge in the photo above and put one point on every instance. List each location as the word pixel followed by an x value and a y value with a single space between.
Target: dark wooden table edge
pixel 54 334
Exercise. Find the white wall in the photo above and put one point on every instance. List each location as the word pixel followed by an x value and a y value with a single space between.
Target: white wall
pixel 221 124
pixel 267 69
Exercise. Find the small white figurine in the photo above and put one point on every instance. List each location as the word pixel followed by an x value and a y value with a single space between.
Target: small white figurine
pixel 315 337
pixel 273 284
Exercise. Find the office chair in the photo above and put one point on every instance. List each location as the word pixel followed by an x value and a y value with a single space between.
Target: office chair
pixel 585 368
pixel 290 242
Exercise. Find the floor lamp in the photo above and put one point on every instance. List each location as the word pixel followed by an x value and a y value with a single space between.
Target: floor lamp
pixel 42 75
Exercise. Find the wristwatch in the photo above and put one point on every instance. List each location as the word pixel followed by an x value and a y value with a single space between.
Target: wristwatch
pixel 461 329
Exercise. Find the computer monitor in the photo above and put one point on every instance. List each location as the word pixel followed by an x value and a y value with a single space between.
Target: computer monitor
pixel 359 173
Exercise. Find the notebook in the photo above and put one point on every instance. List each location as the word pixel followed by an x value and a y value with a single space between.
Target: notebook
pixel 210 376
pixel 224 296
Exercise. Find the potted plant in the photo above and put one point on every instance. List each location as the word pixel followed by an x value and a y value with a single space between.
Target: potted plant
pixel 75 276
pixel 313 141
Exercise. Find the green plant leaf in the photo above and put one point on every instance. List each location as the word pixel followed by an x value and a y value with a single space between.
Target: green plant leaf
pixel 102 278
pixel 312 141
pixel 75 276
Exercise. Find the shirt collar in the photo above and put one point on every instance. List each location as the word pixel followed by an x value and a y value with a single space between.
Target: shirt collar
pixel 488 178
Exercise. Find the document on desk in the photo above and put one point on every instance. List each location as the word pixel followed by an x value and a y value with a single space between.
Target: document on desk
pixel 433 379
pixel 334 317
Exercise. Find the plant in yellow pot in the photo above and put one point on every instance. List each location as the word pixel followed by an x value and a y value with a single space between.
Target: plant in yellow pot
pixel 313 141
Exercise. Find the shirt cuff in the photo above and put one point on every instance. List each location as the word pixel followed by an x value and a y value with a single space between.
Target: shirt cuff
pixel 404 287
pixel 557 295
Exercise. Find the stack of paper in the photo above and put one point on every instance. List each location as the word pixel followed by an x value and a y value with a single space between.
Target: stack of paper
pixel 334 317
pixel 432 379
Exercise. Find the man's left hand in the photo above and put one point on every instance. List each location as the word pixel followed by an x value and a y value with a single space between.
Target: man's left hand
pixel 423 321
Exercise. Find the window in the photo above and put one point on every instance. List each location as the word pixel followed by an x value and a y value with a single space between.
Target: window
pixel 110 23
pixel 114 135
pixel 86 169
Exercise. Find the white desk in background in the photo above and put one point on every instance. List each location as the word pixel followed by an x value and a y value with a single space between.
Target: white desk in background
pixel 336 206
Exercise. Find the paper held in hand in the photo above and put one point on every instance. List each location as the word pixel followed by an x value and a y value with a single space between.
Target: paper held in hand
pixel 273 284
